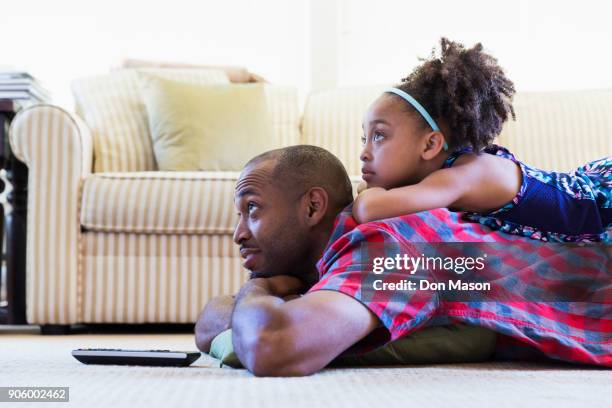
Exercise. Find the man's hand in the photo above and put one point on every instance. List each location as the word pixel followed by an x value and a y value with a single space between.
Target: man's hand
pixel 285 286
pixel 214 319
pixel 217 314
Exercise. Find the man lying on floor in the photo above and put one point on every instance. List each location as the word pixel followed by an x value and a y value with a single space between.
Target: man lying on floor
pixel 297 236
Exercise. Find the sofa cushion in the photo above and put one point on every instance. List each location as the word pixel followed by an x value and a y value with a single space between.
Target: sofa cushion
pixel 560 130
pixel 206 127
pixel 333 118
pixel 161 202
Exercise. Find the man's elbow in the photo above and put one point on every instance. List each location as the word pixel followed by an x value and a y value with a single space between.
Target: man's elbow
pixel 202 342
pixel 267 355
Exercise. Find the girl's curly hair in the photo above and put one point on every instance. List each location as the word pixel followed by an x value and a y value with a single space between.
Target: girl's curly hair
pixel 467 89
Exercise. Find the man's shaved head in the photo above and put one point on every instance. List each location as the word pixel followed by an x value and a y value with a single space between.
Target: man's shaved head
pixel 287 201
pixel 299 168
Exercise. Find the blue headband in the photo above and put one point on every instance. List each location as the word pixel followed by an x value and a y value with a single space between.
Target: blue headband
pixel 432 123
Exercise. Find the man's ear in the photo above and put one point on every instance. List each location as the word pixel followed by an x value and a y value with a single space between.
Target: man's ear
pixel 434 143
pixel 316 202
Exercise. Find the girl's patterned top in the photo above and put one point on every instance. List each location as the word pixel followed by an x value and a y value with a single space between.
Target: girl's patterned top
pixel 552 206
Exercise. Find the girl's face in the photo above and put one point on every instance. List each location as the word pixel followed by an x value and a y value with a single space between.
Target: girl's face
pixel 392 145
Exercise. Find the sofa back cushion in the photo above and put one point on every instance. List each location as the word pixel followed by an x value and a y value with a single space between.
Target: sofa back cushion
pixel 332 120
pixel 113 107
pixel 560 130
pixel 206 127
pixel 553 130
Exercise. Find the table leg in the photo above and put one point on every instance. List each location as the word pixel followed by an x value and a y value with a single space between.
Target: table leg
pixel 16 222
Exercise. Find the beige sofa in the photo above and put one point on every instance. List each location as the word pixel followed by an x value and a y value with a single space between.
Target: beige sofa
pixel 112 240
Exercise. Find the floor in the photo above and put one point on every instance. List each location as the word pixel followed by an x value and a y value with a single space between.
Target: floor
pixel 30 359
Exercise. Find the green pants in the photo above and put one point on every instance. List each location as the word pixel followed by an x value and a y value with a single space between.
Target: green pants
pixel 458 343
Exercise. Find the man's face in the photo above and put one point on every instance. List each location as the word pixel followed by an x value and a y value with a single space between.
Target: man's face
pixel 271 236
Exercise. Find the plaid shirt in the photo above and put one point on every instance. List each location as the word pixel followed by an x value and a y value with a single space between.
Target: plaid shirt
pixel 573 331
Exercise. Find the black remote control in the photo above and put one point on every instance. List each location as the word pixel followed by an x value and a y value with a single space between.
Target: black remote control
pixel 136 357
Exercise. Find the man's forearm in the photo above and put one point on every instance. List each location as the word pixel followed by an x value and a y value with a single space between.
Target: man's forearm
pixel 273 337
pixel 214 319
pixel 256 321
pixel 254 309
pixel 217 315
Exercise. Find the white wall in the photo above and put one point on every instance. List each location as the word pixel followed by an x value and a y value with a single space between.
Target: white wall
pixel 543 44
pixel 63 39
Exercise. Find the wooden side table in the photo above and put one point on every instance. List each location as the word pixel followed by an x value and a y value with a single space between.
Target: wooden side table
pixel 13 222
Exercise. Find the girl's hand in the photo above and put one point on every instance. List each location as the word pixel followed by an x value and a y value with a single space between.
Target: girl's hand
pixel 362 187
pixel 365 204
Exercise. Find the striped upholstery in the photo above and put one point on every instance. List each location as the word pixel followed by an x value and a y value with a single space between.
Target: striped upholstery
pixel 112 106
pixel 333 118
pixel 285 114
pixel 160 202
pixel 57 148
pixel 560 130
pixel 139 278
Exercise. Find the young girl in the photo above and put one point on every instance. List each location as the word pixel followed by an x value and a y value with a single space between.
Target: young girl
pixel 428 144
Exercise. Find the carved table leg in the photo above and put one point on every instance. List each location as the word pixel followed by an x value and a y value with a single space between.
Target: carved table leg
pixel 17 175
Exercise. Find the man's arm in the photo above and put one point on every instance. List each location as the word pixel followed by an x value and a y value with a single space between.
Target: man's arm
pixel 215 318
pixel 276 338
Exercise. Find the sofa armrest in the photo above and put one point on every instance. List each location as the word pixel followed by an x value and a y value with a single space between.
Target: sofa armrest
pixel 57 149
pixel 41 124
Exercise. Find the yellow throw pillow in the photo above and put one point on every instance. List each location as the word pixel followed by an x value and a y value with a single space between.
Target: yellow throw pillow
pixel 206 127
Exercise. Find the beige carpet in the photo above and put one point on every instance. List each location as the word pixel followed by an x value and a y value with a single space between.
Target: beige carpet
pixel 29 359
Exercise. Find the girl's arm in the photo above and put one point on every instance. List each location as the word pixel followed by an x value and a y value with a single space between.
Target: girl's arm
pixel 440 189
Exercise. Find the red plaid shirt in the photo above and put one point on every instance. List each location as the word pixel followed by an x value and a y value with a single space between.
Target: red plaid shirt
pixel 573 331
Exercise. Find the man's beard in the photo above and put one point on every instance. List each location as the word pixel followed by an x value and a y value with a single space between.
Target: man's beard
pixel 299 267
